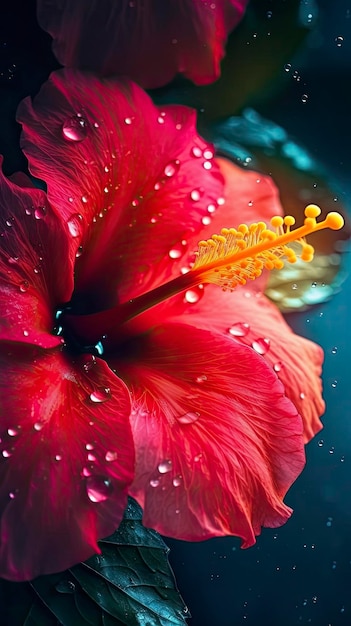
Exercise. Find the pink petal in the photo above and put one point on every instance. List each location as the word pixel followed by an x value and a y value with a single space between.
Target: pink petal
pixel 217 442
pixel 66 460
pixel 132 188
pixel 36 265
pixel 149 41
pixel 253 320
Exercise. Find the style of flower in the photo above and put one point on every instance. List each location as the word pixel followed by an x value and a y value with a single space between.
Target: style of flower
pixel 148 40
pixel 187 398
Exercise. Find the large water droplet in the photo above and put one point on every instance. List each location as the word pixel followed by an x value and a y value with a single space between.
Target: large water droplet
pixel 111 456
pixel 75 128
pixel 240 329
pixel 99 488
pixel 194 295
pixel 261 345
pixel 65 586
pixel 165 466
pixel 172 168
pixel 40 212
pixel 100 395
pixel 75 224
pixel 188 418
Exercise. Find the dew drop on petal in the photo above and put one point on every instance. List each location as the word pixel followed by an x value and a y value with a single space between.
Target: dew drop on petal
pixel 38 426
pixel 90 361
pixel 165 466
pixel 188 418
pixel 304 98
pixel 99 488
pixel 287 67
pixel 12 432
pixel 111 456
pixel 175 253
pixel 160 119
pixel 194 295
pixel 40 213
pixel 74 224
pixel 277 366
pixel 58 457
pixel 12 495
pixel 172 168
pixel 195 195
pixel 240 329
pixel 196 152
pixel 65 586
pixel 211 208
pixel 261 345
pixel 6 454
pixel 89 446
pixel 208 154
pixel 206 220
pixel 207 165
pixel 154 482
pixel 334 384
pixel 75 128
pixel 100 395
pixel 128 121
pixel 84 199
pixel 177 481
pixel 201 379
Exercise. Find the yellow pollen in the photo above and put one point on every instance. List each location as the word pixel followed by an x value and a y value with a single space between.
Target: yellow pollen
pixel 240 254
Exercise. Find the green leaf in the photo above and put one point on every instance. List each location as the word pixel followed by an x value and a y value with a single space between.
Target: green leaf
pixel 129 584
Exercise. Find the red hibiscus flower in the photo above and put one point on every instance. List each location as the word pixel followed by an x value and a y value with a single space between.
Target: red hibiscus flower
pixel 148 40
pixel 92 369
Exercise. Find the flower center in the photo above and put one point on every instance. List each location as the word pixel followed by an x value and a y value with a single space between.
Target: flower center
pixel 229 259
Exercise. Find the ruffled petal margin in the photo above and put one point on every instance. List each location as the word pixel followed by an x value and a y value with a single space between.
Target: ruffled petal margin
pixel 217 443
pixel 66 459
pixel 150 41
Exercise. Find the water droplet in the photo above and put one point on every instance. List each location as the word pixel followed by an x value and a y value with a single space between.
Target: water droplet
pixel 207 165
pixel 188 418
pixel 172 168
pixel 269 14
pixel 198 457
pixel 287 67
pixel 26 333
pixel 165 466
pixel 84 199
pixel 206 220
pixel 304 97
pixel 177 481
pixel 99 488
pixel 302 395
pixel 79 252
pixel 6 454
pixel 89 446
pixel 74 224
pixel 196 152
pixel 89 362
pixel 13 260
pixel 240 329
pixel 40 212
pixel 195 195
pixel 194 295
pixel 320 443
pixel 12 432
pixel 58 457
pixel 208 154
pixel 154 482
pixel 111 456
pixel 160 119
pixel 38 426
pixel 261 345
pixel 75 128
pixel 100 395
pixel 277 366
pixel 334 383
pixel 334 350
pixel 65 586
pixel 339 41
pixel 201 379
pixel 294 286
pixel 329 521
pixel 128 121
pixel 175 253
pixel 12 495
pixel 211 208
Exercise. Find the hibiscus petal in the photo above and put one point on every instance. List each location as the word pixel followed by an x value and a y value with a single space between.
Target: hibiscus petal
pixel 150 41
pixel 36 265
pixel 66 460
pixel 253 320
pixel 217 442
pixel 130 188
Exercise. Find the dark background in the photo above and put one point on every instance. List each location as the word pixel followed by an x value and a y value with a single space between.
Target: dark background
pixel 299 574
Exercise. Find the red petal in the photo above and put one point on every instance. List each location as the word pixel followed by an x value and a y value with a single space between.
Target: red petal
pixel 53 510
pixel 105 183
pixel 149 41
pixel 253 318
pixel 36 265
pixel 217 443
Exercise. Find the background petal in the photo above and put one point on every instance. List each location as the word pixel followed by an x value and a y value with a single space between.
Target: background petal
pixel 130 186
pixel 36 265
pixel 217 442
pixel 150 41
pixel 66 459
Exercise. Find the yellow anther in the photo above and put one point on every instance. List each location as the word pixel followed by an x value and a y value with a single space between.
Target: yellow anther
pixel 289 220
pixel 277 221
pixel 312 210
pixel 334 220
